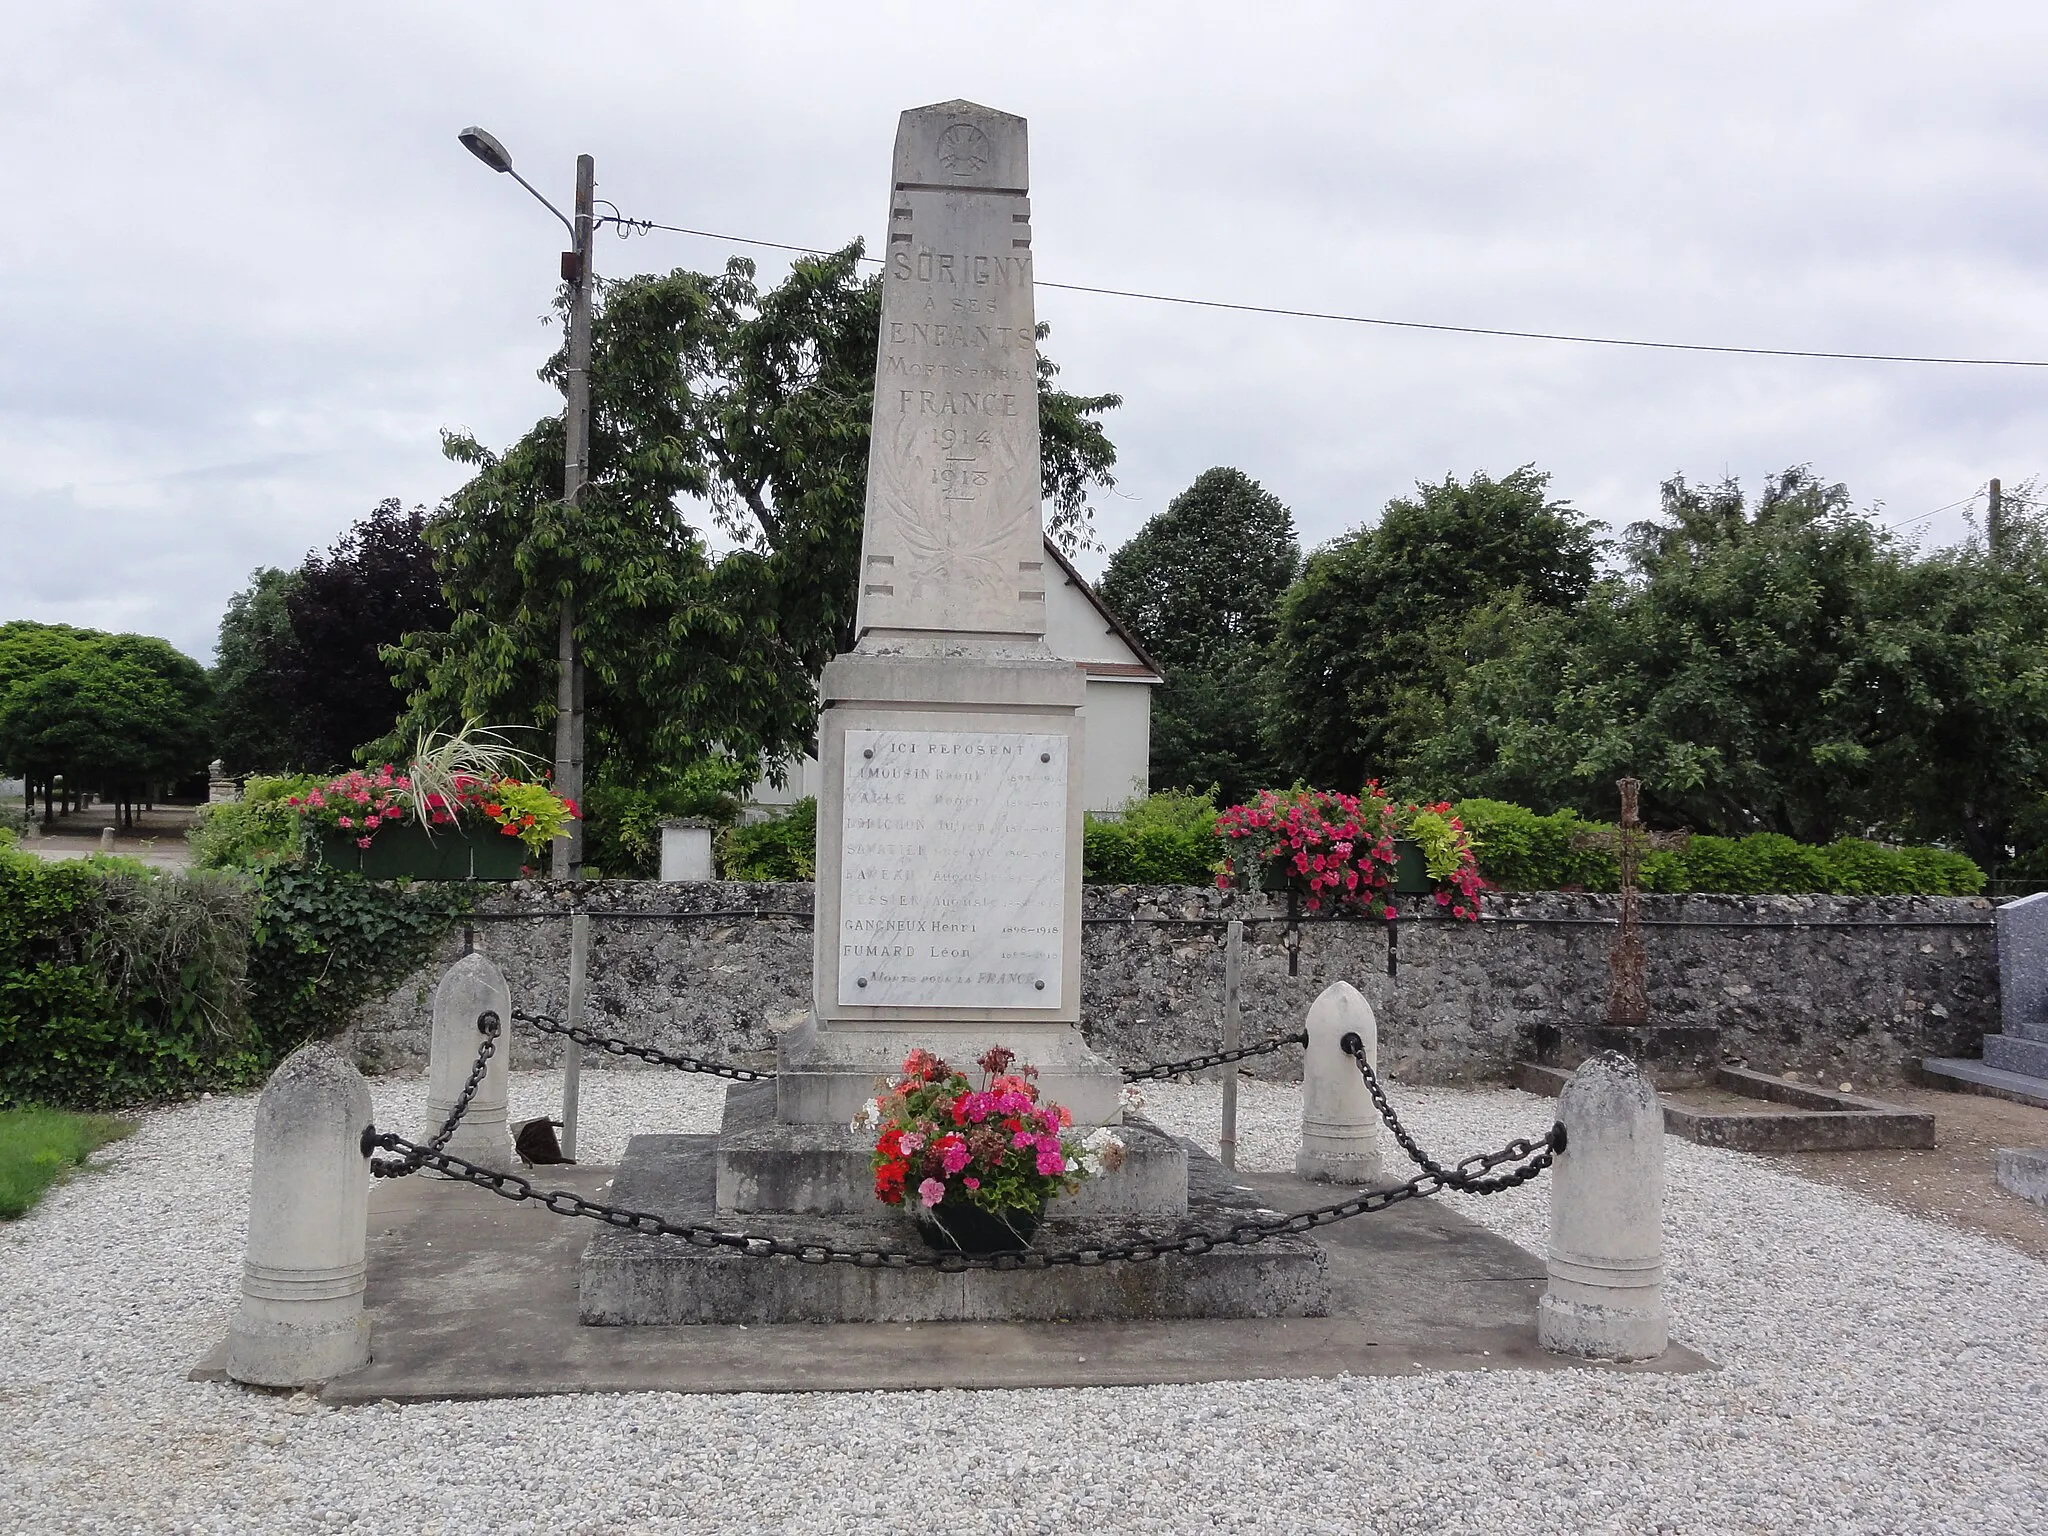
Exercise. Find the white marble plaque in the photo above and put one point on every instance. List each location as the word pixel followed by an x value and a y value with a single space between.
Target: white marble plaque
pixel 952 874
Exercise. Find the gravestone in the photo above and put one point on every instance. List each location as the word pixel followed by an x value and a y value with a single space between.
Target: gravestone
pixel 2015 1061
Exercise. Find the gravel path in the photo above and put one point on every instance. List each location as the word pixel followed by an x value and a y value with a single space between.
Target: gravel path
pixel 1882 1373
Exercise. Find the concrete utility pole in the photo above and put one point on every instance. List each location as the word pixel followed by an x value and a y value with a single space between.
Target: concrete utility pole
pixel 1994 519
pixel 567 854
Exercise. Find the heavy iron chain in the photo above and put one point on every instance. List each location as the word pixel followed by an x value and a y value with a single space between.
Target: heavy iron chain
pixel 1531 1158
pixel 1167 1069
pixel 1475 1182
pixel 550 1025
pixel 488 1026
pixel 547 1024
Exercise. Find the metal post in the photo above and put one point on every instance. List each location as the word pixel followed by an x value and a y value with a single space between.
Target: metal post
pixel 1233 1038
pixel 568 851
pixel 572 1053
pixel 1994 519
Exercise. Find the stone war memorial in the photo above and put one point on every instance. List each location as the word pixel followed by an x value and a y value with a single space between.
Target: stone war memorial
pixel 947 929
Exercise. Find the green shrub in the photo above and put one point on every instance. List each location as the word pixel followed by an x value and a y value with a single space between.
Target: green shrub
pixel 1520 850
pixel 38 1146
pixel 783 847
pixel 1162 839
pixel 253 832
pixel 326 941
pixel 622 826
pixel 119 985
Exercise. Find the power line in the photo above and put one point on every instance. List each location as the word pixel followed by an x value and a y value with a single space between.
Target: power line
pixel 643 225
pixel 1924 516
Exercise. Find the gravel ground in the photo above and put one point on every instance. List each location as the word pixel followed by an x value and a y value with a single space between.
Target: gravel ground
pixel 1881 1373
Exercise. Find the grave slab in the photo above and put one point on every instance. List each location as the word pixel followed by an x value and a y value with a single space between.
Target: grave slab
pixel 2024 1171
pixel 1808 1119
pixel 471 1296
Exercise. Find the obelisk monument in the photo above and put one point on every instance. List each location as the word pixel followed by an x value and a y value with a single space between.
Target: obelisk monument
pixel 949 819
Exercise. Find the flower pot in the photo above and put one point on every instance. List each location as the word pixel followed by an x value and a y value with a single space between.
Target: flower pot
pixel 407 852
pixel 1411 869
pixel 961 1226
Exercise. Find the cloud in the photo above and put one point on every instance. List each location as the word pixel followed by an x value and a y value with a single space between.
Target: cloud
pixel 261 275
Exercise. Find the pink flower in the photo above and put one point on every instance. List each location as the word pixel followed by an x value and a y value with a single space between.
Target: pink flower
pixel 971 1183
pixel 954 1155
pixel 911 1142
pixel 346 821
pixel 1389 913
pixel 371 823
pixel 1052 1164
pixel 362 842
pixel 931 1192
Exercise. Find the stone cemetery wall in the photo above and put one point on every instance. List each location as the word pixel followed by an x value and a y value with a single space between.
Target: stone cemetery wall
pixel 1851 988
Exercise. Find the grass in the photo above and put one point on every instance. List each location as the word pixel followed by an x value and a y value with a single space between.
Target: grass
pixel 39 1146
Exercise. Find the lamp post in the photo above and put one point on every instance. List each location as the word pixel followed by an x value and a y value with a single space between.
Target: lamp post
pixel 567 856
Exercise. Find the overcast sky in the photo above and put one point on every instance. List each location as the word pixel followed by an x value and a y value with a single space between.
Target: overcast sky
pixel 249 274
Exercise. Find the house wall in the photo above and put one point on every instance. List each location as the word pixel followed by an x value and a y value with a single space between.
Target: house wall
pixel 1116 742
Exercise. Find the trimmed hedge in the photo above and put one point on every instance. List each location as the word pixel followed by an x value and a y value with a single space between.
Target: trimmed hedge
pixel 1163 839
pixel 1521 850
pixel 119 985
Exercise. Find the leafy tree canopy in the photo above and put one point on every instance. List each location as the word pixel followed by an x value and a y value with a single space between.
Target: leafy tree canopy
pixel 253 729
pixel 1364 636
pixel 117 713
pixel 1782 666
pixel 300 674
pixel 707 393
pixel 1199 584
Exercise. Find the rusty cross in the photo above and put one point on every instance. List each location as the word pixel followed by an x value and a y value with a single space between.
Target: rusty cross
pixel 1628 986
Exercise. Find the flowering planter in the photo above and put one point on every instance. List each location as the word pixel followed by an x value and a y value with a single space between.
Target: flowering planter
pixel 961 1226
pixel 408 853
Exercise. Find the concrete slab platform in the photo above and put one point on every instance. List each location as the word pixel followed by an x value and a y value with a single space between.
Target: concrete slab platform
pixel 474 1297
pixel 1808 1119
pixel 639 1279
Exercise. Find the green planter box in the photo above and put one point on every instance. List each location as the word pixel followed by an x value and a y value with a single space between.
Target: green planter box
pixel 1411 870
pixel 407 852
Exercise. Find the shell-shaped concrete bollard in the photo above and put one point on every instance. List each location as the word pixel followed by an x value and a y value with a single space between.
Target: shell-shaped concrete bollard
pixel 1606 1295
pixel 1340 1129
pixel 301 1316
pixel 472 987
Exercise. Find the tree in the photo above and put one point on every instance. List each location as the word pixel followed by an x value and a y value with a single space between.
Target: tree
pixel 253 727
pixel 755 407
pixel 121 714
pixel 1365 634
pixel 301 677
pixel 1786 666
pixel 1199 584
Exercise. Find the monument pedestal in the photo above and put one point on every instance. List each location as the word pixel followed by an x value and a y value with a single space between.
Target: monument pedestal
pixel 635 1278
pixel 767 1165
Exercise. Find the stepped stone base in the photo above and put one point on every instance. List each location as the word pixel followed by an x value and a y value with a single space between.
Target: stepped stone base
pixel 1959 1074
pixel 823 1076
pixel 2014 1053
pixel 768 1165
pixel 1807 1119
pixel 632 1278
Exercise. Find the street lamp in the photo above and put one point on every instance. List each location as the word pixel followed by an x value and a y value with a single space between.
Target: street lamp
pixel 568 849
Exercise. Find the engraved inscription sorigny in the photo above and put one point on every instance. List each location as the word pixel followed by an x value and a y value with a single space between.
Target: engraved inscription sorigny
pixel 953 494
pixel 952 875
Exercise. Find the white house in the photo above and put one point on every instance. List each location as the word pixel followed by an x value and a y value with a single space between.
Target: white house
pixel 1117 731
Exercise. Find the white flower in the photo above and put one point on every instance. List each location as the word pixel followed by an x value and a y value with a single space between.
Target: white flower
pixel 1133 1100
pixel 868 1117
pixel 1108 1147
